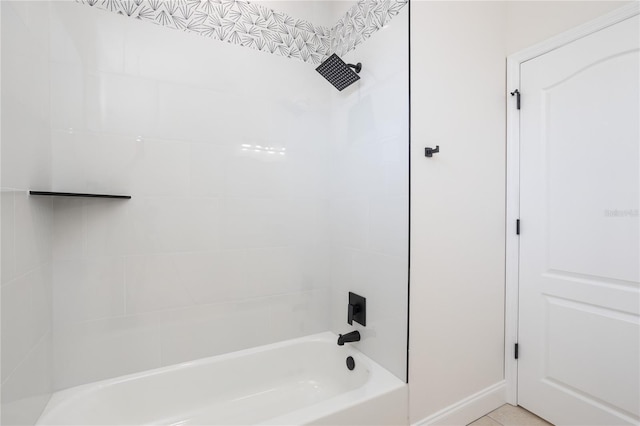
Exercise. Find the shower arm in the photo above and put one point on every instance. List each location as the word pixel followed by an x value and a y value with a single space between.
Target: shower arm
pixel 357 68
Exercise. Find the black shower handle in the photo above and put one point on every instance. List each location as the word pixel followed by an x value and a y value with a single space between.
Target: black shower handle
pixel 352 310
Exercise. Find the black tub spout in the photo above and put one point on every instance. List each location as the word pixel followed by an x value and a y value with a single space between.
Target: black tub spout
pixel 354 336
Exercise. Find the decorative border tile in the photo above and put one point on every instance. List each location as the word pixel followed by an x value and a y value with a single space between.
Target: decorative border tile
pixel 255 26
pixel 361 21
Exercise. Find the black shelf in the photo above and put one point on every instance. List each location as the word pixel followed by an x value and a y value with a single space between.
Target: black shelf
pixel 77 194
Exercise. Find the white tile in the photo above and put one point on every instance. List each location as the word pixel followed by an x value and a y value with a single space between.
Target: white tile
pixel 194 59
pixel 197 114
pixel 96 162
pixel 68 166
pixel 395 177
pixel 249 321
pixel 258 168
pixel 26 148
pixel 106 227
pixel 171 224
pixel 309 221
pixel 349 221
pixel 42 299
pixel 18 333
pixel 384 277
pixel 36 17
pixel 24 31
pixel 88 289
pixel 272 271
pixel 260 109
pixel 112 162
pixel 102 349
pixel 86 36
pixel 67 96
pixel 26 316
pixel 64 49
pixel 208 166
pixel 26 391
pixel 156 282
pixel 342 281
pixel 7 232
pixel 308 172
pixel 33 220
pixel 312 261
pixel 394 149
pixel 299 314
pixel 164 169
pixel 208 330
pixel 215 277
pixel 353 169
pixel 121 104
pixel 316 319
pixel 255 222
pixel 388 223
pixel 68 228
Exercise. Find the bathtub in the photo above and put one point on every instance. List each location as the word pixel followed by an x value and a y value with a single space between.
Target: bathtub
pixel 299 381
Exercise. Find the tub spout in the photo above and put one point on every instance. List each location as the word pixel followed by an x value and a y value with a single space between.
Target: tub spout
pixel 354 336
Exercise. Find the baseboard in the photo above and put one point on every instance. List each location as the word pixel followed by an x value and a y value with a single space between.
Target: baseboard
pixel 469 409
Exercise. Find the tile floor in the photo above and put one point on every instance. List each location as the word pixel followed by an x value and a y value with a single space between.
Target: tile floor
pixel 508 415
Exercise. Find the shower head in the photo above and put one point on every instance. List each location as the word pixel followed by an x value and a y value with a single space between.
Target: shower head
pixel 338 73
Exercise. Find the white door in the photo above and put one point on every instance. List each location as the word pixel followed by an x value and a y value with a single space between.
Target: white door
pixel 579 335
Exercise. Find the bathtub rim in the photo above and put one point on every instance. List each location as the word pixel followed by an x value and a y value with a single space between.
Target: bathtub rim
pixel 379 382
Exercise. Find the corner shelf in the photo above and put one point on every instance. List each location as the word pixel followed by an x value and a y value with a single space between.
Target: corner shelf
pixel 77 194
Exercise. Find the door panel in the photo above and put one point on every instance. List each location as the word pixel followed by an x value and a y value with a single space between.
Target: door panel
pixel 581 180
pixel 579 330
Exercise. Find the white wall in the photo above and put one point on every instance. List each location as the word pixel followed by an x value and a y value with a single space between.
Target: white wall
pixel 221 247
pixel 369 176
pixel 530 22
pixel 457 244
pixel 25 221
pixel 458 196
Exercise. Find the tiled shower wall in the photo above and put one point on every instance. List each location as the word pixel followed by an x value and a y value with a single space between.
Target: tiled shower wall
pixel 369 199
pixel 223 245
pixel 26 221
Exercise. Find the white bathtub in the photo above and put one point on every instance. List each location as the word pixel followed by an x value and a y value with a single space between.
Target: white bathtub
pixel 300 381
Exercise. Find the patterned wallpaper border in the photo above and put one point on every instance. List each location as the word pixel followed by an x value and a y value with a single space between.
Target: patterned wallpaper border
pixel 255 26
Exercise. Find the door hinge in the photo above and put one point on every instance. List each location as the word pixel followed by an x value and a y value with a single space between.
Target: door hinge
pixel 517 226
pixel 516 93
pixel 515 351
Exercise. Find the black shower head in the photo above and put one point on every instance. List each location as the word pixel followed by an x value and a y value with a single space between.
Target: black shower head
pixel 338 73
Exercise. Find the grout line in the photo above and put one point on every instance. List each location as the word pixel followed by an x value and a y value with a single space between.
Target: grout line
pixel 30 271
pixel 27 355
pixel 124 285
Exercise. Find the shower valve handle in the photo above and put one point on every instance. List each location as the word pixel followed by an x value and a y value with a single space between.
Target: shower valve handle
pixel 352 310
pixel 357 309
